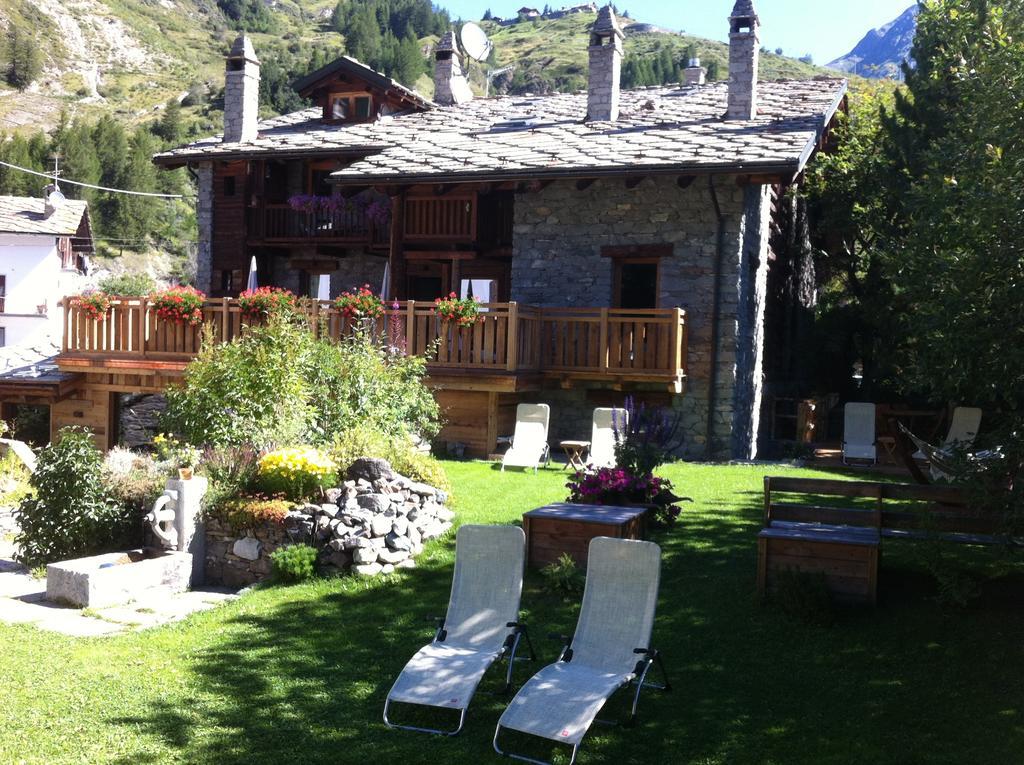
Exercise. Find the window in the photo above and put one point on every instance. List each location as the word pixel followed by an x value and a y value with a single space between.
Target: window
pixel 345 107
pixel 362 107
pixel 229 186
pixel 3 337
pixel 3 292
pixel 339 107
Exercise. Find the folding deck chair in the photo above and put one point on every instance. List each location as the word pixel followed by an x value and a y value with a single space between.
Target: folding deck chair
pixel 481 627
pixel 610 649
pixel 859 433
pixel 530 440
pixel 603 436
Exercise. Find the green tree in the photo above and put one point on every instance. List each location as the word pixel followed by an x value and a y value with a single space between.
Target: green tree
pixel 79 160
pixel 24 58
pixel 170 127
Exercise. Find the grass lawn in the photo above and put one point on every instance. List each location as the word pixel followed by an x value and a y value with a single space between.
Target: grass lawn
pixel 299 674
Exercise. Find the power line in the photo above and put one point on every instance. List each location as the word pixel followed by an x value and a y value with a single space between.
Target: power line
pixel 90 185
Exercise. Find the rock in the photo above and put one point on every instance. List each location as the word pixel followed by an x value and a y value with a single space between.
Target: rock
pixel 364 555
pixel 247 548
pixel 441 496
pixel 412 515
pixel 423 489
pixel 339 559
pixel 350 485
pixel 396 542
pixel 400 526
pixel 392 556
pixel 415 537
pixel 323 522
pixel 380 525
pixel 383 486
pixel 330 510
pixel 363 485
pixel 370 469
pixel 444 513
pixel 387 568
pixel 310 509
pixel 333 495
pixel 375 503
pixel 367 569
pixel 295 516
pixel 337 545
pixel 407 563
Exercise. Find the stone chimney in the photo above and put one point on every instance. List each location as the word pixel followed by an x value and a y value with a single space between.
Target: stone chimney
pixel 241 92
pixel 450 83
pixel 52 199
pixel 605 66
pixel 694 73
pixel 744 47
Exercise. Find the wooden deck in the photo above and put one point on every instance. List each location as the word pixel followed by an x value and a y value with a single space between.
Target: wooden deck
pixel 510 344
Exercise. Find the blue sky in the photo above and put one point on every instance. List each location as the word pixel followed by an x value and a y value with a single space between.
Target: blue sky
pixel 826 29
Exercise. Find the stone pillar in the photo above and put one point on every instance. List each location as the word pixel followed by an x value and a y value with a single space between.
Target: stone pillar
pixel 744 48
pixel 605 67
pixel 241 92
pixel 450 83
pixel 753 288
pixel 189 524
pixel 204 224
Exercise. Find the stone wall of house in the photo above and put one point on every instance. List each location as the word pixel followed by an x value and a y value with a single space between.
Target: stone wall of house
pixel 139 418
pixel 356 269
pixel 557 261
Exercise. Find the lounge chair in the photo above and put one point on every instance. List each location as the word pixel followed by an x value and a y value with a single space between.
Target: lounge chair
pixel 963 429
pixel 530 440
pixel 603 436
pixel 481 626
pixel 859 433
pixel 610 649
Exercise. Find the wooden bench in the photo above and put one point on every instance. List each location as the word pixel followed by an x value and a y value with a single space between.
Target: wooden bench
pixel 843 542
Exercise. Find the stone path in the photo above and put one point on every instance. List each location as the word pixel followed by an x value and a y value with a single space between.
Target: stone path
pixel 23 600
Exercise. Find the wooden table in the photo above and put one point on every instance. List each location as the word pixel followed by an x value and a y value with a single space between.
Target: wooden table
pixel 574 451
pixel 568 528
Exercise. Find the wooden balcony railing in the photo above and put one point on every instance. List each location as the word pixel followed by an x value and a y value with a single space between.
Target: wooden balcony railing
pixel 508 338
pixel 279 222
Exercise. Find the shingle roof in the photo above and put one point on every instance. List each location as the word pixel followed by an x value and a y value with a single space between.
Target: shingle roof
pixel 665 128
pixel 25 215
pixel 361 71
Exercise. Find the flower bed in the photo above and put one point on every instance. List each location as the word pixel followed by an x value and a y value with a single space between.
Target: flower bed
pixel 616 486
pixel 179 305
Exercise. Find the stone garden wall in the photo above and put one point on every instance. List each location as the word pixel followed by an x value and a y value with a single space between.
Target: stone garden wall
pixel 374 522
pixel 557 261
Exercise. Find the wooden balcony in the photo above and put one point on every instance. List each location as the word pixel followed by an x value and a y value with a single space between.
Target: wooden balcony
pixel 280 224
pixel 510 343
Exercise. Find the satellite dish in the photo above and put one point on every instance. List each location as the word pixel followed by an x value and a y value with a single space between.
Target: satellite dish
pixel 474 42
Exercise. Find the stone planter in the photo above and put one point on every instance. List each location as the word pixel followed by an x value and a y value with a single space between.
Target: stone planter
pixel 114 578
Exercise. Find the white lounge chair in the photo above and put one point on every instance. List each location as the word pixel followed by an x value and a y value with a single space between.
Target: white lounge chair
pixel 481 626
pixel 963 429
pixel 859 433
pixel 610 649
pixel 603 436
pixel 530 441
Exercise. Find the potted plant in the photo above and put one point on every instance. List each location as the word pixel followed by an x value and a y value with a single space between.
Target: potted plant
pixel 179 305
pixel 94 304
pixel 360 304
pixel 464 312
pixel 184 457
pixel 264 301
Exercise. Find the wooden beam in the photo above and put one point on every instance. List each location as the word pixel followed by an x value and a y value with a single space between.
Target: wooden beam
pixel 532 187
pixel 760 180
pixel 685 181
pixel 632 181
pixel 440 189
pixel 439 255
pixel 396 260
pixel 350 191
pixel 584 183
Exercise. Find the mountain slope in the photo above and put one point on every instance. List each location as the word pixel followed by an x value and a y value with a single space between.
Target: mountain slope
pixel 882 50
pixel 129 57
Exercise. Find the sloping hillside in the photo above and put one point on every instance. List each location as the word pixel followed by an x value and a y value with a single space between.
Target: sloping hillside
pixel 129 57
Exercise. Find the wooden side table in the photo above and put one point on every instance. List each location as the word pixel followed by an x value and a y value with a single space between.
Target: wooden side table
pixel 568 528
pixel 574 451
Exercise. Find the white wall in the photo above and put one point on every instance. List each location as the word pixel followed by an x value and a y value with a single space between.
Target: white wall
pixel 35 282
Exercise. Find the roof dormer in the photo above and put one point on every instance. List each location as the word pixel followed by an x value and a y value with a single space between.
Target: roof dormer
pixel 350 92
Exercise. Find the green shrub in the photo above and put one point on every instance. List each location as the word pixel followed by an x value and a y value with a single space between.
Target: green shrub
pixel 365 440
pixel 563 577
pixel 293 563
pixel 279 385
pixel 245 513
pixel 129 284
pixel 14 480
pixel 72 512
pixel 231 471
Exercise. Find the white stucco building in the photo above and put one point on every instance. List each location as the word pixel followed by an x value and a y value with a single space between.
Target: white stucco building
pixel 44 244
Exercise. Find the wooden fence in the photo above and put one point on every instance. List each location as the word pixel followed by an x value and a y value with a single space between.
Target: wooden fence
pixel 507 337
